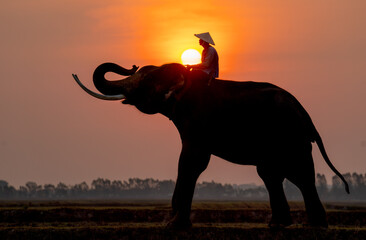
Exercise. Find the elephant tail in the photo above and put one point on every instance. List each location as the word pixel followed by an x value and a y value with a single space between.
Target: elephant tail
pixel 314 136
pixel 326 158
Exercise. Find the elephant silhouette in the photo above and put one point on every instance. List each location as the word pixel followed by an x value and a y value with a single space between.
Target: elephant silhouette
pixel 247 123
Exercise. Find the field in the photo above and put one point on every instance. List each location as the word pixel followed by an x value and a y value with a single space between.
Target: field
pixel 147 219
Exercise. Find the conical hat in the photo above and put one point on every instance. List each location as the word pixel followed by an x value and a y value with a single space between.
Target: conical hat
pixel 205 37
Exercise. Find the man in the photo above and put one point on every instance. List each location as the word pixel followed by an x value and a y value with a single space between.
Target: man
pixel 209 63
pixel 209 59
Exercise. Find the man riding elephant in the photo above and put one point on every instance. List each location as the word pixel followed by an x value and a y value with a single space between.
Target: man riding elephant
pixel 210 59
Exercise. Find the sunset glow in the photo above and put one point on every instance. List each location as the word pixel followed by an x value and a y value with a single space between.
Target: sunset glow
pixel 314 49
pixel 191 56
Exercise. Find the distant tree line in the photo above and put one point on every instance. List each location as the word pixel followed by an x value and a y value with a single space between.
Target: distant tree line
pixel 335 191
pixel 135 188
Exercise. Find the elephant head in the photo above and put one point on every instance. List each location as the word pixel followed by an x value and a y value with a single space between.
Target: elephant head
pixel 149 88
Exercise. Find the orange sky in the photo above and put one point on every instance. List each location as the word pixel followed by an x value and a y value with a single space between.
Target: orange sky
pixel 51 131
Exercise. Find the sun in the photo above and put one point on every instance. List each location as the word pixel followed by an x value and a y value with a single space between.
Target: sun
pixel 191 57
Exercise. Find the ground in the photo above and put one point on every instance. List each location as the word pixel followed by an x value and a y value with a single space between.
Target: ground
pixel 147 220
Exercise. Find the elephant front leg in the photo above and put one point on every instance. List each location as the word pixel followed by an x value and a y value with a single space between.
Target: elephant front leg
pixel 192 162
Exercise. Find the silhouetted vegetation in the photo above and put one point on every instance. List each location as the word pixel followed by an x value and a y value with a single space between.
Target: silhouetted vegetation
pixel 136 188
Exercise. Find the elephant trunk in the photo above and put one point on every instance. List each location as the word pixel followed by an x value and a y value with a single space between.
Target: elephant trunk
pixel 112 87
pixel 112 90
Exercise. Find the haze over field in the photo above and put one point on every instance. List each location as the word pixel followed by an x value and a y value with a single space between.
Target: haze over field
pixel 52 131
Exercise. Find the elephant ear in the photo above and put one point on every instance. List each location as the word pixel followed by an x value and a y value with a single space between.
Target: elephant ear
pixel 168 79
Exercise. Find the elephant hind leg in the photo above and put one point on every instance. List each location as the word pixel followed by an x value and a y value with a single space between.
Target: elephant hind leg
pixel 314 208
pixel 280 209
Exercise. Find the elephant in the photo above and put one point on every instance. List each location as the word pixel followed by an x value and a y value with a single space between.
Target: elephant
pixel 246 123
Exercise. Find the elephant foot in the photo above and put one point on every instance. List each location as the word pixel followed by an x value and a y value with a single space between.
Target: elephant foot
pixel 276 224
pixel 181 224
pixel 316 220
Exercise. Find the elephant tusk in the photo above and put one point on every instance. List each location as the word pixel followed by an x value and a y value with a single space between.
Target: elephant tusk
pixel 97 95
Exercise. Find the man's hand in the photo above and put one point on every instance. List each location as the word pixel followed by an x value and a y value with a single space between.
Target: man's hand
pixel 189 67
